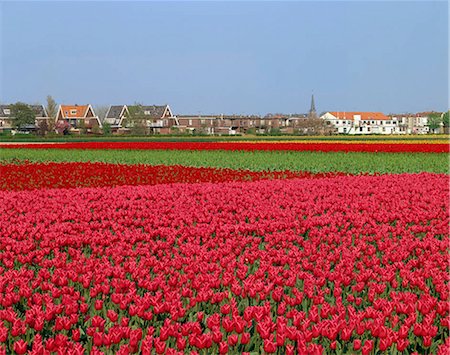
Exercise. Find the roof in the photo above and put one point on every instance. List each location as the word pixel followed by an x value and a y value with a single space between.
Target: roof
pixel 224 116
pixel 113 114
pixel 150 111
pixel 39 110
pixel 199 117
pixel 367 116
pixel 78 110
pixel 114 111
pixel 427 113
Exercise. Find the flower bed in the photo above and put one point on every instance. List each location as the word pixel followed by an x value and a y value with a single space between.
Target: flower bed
pixel 30 176
pixel 234 146
pixel 350 264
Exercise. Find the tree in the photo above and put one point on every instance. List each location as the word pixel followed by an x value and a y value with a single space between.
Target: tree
pixel 42 128
pixel 101 112
pixel 22 114
pixel 81 125
pixel 52 108
pixel 434 121
pixel 106 128
pixel 136 120
pixel 62 127
pixel 445 118
pixel 312 127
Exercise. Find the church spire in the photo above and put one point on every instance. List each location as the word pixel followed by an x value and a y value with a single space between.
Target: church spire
pixel 312 110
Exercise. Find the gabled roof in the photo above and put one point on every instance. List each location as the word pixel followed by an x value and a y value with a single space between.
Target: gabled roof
pixel 151 111
pixel 39 110
pixel 73 111
pixel 115 114
pixel 366 116
pixel 114 111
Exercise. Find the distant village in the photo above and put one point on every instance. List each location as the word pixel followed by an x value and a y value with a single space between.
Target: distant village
pixel 140 119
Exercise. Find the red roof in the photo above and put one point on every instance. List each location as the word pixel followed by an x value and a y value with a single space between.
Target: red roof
pixel 70 111
pixel 366 116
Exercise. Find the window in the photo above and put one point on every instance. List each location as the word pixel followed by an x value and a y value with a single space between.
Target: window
pixel 7 111
pixel 202 121
pixel 360 129
pixel 73 112
pixel 190 122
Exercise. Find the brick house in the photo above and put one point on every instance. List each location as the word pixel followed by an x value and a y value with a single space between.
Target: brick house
pixel 79 118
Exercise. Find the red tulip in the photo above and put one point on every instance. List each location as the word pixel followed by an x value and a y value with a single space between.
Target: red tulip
pixel 20 347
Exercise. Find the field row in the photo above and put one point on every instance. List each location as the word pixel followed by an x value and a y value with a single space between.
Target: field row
pixel 246 146
pixel 23 175
pixel 337 265
pixel 353 163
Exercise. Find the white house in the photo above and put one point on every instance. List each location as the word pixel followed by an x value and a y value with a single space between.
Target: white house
pixel 362 123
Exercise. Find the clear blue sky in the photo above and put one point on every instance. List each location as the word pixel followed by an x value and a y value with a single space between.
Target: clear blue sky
pixel 239 57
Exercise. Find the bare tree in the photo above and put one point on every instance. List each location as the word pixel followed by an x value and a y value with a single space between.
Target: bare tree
pixel 101 111
pixel 313 127
pixel 52 108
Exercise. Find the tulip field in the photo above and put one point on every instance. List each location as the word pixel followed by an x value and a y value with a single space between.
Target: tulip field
pixel 119 249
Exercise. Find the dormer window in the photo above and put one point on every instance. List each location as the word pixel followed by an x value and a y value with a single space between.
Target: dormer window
pixel 7 111
pixel 73 112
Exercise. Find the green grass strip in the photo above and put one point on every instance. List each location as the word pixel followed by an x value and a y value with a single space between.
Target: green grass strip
pixel 353 163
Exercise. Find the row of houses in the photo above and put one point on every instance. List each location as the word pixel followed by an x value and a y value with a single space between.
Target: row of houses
pixel 379 123
pixel 159 119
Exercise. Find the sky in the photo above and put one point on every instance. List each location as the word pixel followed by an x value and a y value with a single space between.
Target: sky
pixel 209 57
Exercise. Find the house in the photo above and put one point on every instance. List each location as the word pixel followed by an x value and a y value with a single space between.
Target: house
pixel 409 124
pixel 432 121
pixel 230 124
pixel 198 124
pixel 80 118
pixel 115 118
pixel 419 123
pixel 7 120
pixel 362 123
pixel 153 119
